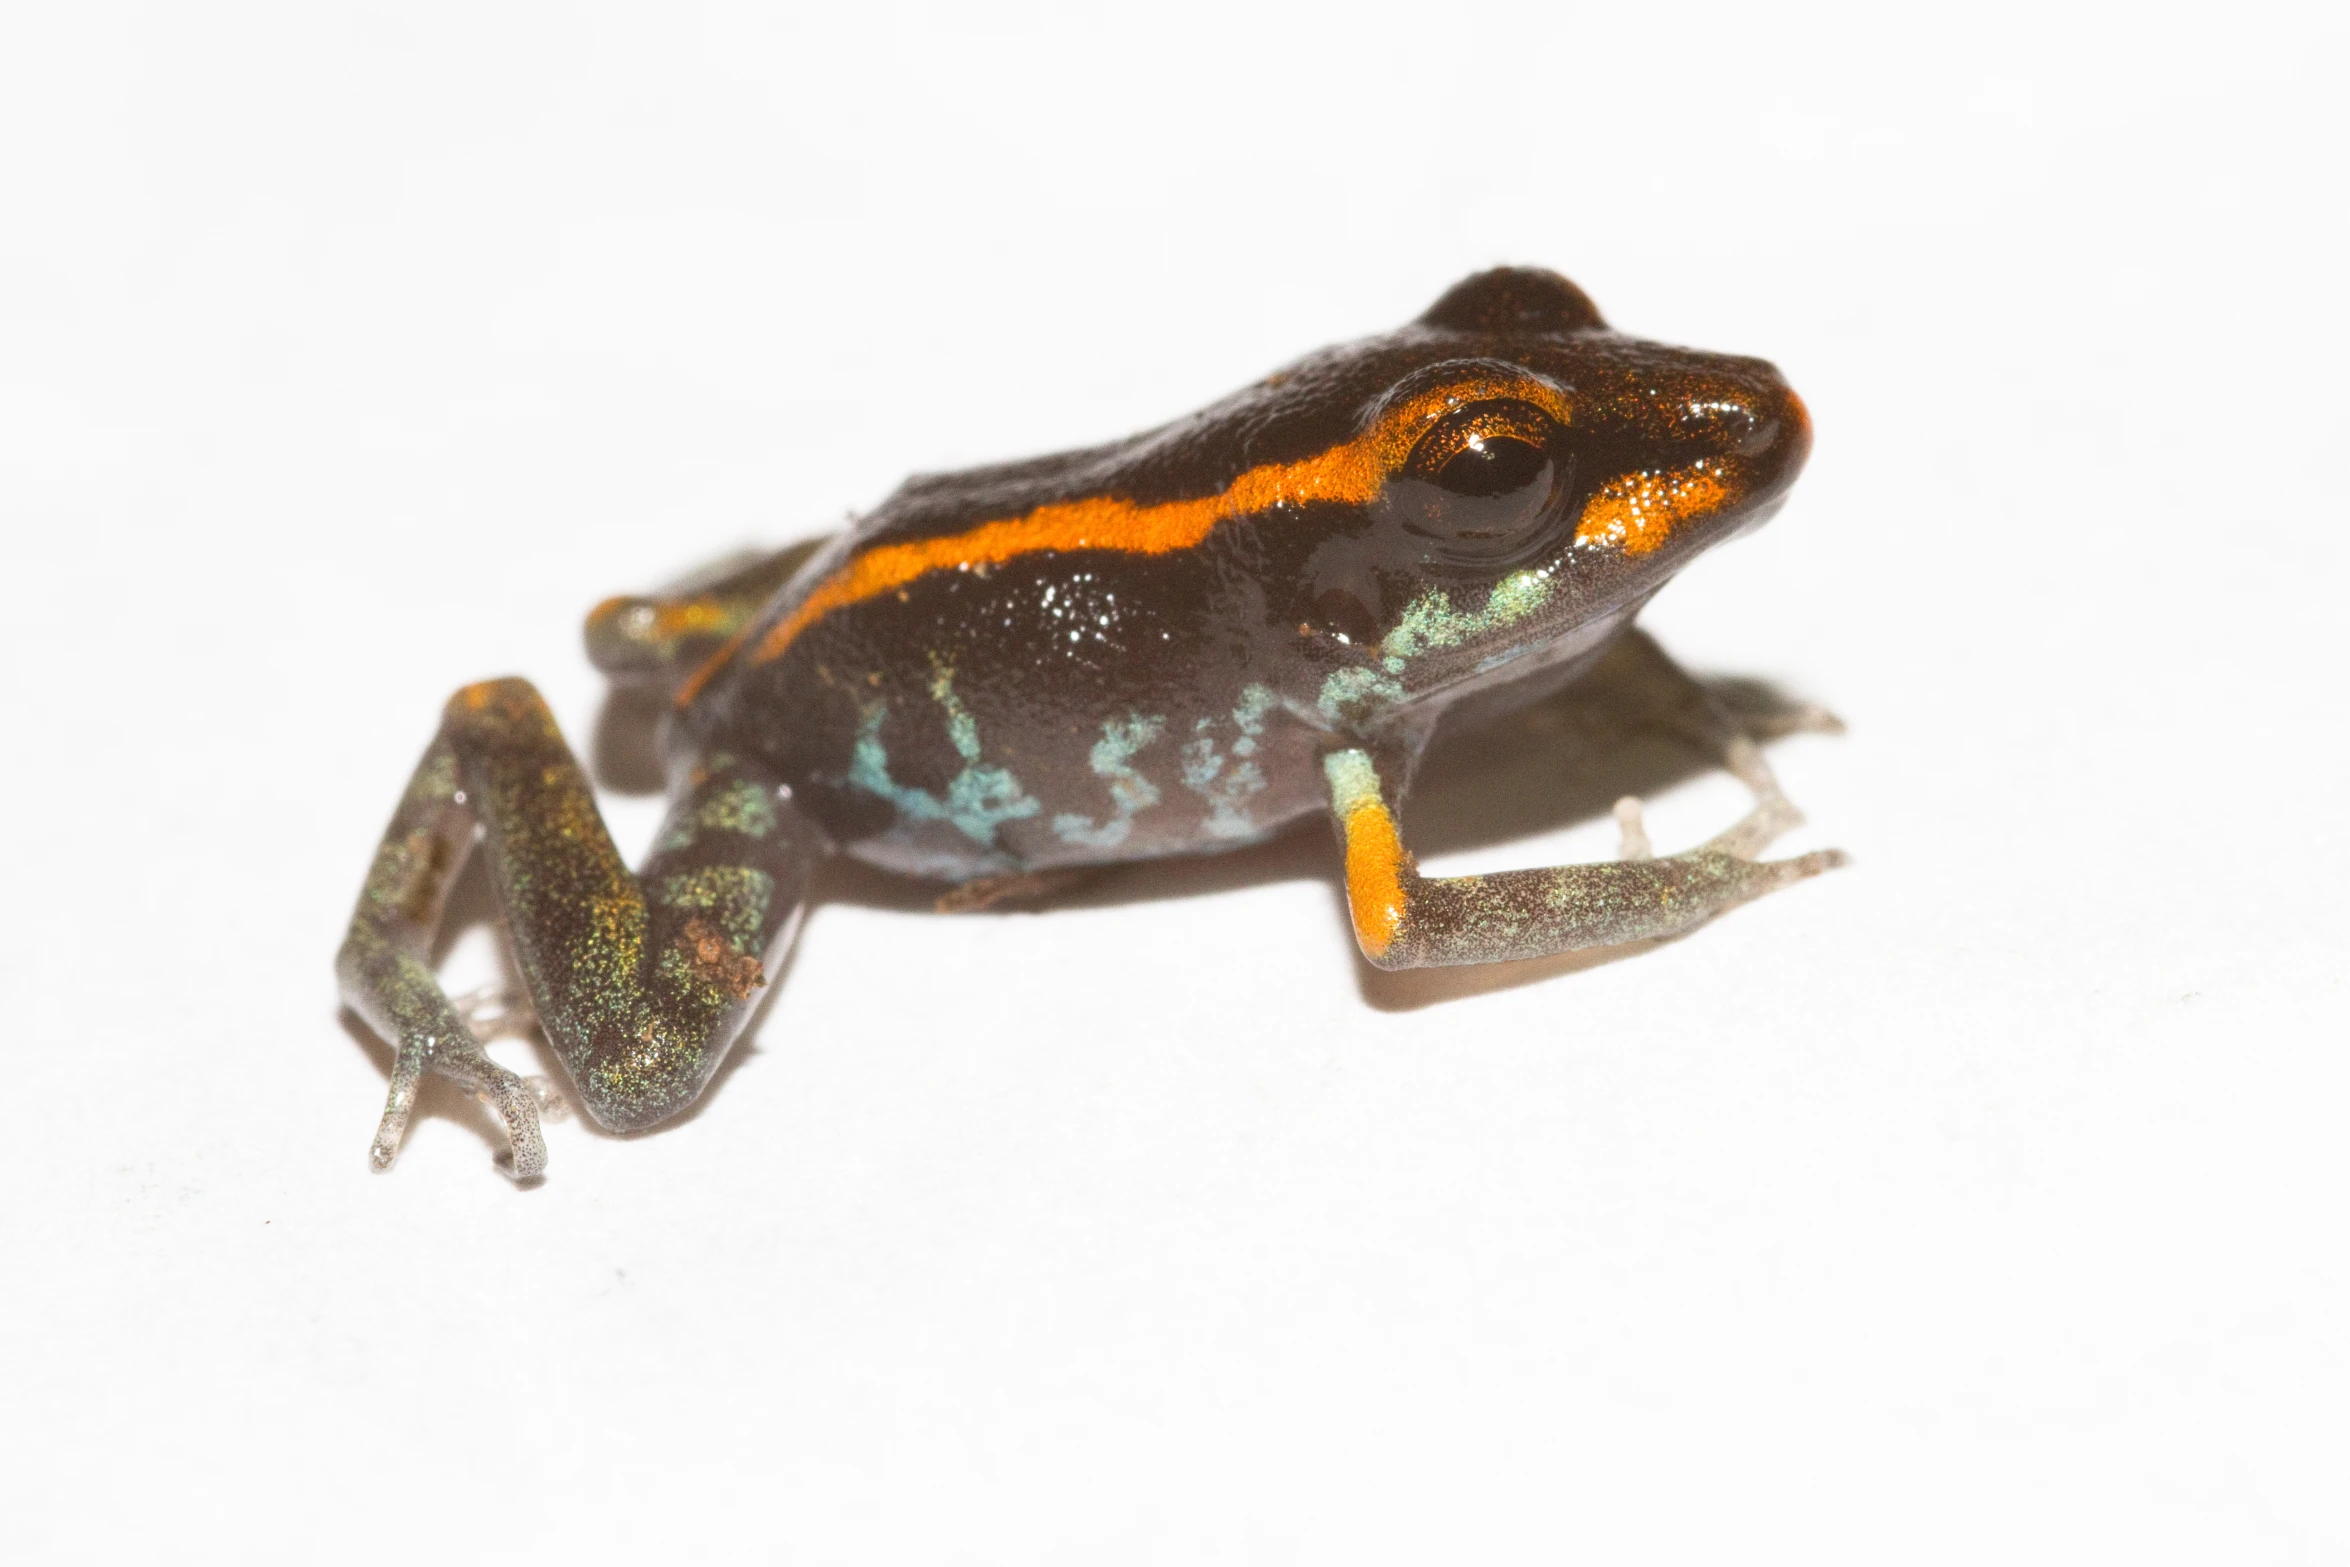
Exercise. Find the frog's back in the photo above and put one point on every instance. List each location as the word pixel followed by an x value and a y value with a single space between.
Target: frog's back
pixel 962 686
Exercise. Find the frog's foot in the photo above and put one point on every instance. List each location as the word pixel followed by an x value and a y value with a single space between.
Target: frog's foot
pixel 1723 719
pixel 496 1011
pixel 1634 830
pixel 514 1099
pixel 1772 817
pixel 492 1011
pixel 1760 709
pixel 1801 718
pixel 502 1011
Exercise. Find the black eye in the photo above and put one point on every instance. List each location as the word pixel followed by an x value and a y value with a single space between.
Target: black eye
pixel 1483 480
pixel 1493 467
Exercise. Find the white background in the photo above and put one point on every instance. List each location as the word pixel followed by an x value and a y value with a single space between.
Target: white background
pixel 1987 1201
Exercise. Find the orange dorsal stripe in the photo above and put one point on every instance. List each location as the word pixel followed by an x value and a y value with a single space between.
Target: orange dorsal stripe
pixel 1349 473
pixel 1346 474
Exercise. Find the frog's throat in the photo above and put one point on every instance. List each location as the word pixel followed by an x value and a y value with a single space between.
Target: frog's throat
pixel 1434 623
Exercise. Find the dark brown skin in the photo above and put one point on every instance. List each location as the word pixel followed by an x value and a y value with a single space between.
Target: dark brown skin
pixel 1177 643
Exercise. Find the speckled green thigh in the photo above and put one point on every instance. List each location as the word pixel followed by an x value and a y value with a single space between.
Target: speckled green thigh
pixel 640 981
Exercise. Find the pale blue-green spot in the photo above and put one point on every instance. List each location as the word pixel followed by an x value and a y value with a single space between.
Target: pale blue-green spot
pixel 1228 783
pixel 1351 695
pixel 1249 717
pixel 1353 781
pixel 1112 761
pixel 1431 622
pixel 978 799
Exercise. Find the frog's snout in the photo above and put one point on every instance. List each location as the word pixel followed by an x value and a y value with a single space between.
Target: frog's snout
pixel 1762 428
pixel 1723 443
pixel 1780 442
pixel 1768 455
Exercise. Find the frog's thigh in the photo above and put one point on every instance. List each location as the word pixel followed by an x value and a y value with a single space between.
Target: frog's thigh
pixel 1405 920
pixel 641 981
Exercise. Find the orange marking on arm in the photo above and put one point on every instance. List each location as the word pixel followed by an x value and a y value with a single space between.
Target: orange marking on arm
pixel 1639 511
pixel 1376 868
pixel 1349 473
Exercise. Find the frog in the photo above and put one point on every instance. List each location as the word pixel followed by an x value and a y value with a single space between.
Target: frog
pixel 1179 643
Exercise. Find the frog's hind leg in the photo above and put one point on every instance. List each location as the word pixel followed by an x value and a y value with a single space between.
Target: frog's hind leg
pixel 641 981
pixel 658 639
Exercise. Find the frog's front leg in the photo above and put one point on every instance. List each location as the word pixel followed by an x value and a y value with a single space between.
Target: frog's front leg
pixel 1403 919
pixel 640 981
pixel 1641 687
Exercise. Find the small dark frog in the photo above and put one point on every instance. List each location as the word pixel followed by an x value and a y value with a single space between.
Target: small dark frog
pixel 1173 644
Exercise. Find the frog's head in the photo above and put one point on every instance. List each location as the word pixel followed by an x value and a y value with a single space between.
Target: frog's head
pixel 1535 477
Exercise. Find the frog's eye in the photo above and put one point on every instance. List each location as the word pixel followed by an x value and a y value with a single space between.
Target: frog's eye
pixel 1484 478
pixel 1493 467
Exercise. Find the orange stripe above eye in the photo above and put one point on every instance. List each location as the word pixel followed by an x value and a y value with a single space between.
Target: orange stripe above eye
pixel 1348 473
